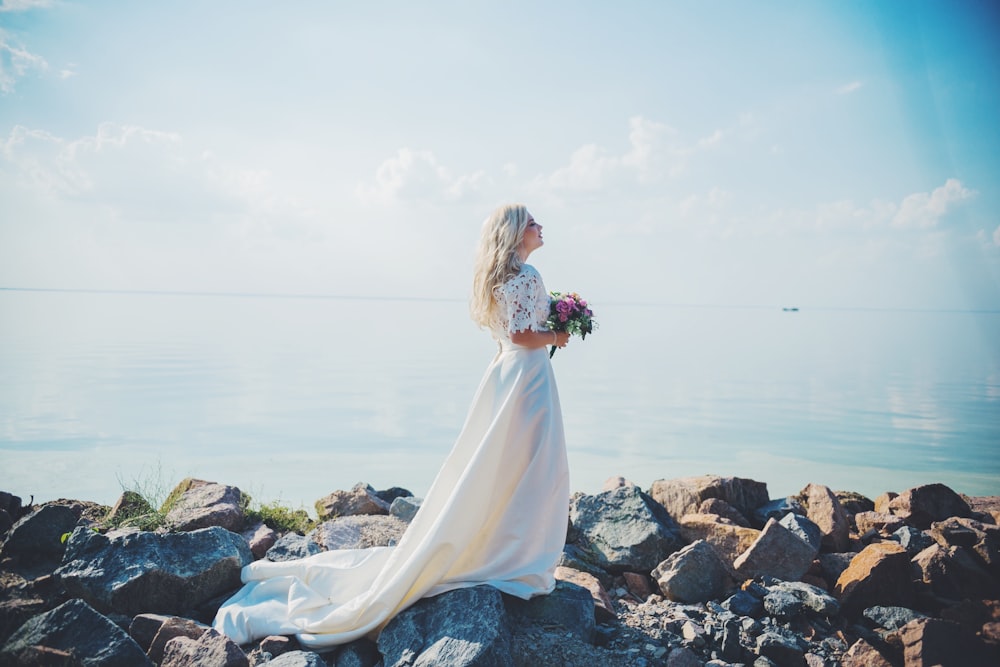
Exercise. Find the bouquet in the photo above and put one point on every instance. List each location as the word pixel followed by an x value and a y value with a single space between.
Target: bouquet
pixel 569 313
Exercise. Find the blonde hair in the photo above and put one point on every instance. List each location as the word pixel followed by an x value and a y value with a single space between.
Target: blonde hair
pixel 497 260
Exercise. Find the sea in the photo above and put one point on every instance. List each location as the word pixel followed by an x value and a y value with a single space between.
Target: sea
pixel 292 397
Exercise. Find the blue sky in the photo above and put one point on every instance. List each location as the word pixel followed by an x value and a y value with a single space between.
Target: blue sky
pixel 838 154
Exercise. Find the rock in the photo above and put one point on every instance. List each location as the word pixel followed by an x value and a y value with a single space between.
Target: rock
pixel 783 605
pixel 201 504
pixel 615 482
pixel 813 598
pixel 622 529
pixel 891 618
pixel 171 628
pixel 743 603
pixel 358 532
pixel 569 605
pixel 951 573
pixel 833 565
pixel 74 627
pixel 15 612
pixel 720 507
pixel 728 540
pixel 210 650
pixel 603 607
pixel 804 529
pixel 923 505
pixel 777 552
pixel 983 540
pixel 824 510
pixel 933 641
pixel 878 522
pixel 853 502
pixel 863 654
pixel 782 650
pixel 136 572
pixel 693 574
pixel 879 575
pixel 882 502
pixel 911 539
pixel 11 504
pixel 389 495
pixel 778 509
pixel 361 499
pixel 467 626
pixel 260 537
pixel 38 535
pixel 144 627
pixel 359 653
pixel 683 657
pixel 639 585
pixel 684 495
pixel 130 505
pixel 405 508
pixel 298 659
pixel 292 547
pixel 985 506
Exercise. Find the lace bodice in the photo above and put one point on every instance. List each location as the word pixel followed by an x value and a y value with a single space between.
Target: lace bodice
pixel 524 304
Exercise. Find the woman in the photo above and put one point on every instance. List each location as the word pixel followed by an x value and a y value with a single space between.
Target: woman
pixel 496 513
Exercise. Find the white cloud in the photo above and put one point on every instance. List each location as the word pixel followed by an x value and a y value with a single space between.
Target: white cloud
pixel 923 210
pixel 413 175
pixel 16 62
pixel 23 5
pixel 849 88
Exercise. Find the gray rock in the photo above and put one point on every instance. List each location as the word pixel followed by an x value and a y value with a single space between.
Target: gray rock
pixel 292 547
pixel 778 553
pixel 75 626
pixel 38 535
pixel 137 572
pixel 569 605
pixel 623 529
pixel 358 532
pixel 923 505
pixel 210 650
pixel 912 539
pixel 804 529
pixel 405 507
pixel 684 495
pixel 777 509
pixel 361 499
pixel 693 574
pixel 464 627
pixel 298 659
pixel 359 653
pixel 782 604
pixel 782 650
pixel 833 565
pixel 720 507
pixel 389 495
pixel 812 597
pixel 891 618
pixel 742 603
pixel 205 504
pixel 683 657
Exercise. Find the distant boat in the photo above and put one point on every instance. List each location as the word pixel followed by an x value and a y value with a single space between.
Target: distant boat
pixel 793 309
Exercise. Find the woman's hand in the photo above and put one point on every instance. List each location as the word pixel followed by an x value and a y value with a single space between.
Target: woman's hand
pixel 562 338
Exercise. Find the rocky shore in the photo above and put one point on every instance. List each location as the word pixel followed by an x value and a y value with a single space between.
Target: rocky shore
pixel 693 571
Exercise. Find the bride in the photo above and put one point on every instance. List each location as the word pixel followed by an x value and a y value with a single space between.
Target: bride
pixel 495 514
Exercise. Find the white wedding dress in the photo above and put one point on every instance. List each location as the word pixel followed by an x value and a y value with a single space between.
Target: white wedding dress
pixel 496 513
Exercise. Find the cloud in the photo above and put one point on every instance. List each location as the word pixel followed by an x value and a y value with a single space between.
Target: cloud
pixel 414 175
pixel 16 62
pixel 23 5
pixel 849 88
pixel 923 210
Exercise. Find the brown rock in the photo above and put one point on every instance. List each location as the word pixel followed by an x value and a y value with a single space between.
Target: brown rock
pixel 693 574
pixel 853 502
pixel 985 506
pixel 879 575
pixel 720 507
pixel 951 573
pixel 684 495
pixel 882 502
pixel 728 540
pixel 923 505
pixel 204 504
pixel 981 539
pixel 823 509
pixel 144 627
pixel 932 641
pixel 211 648
pixel 362 499
pixel 777 552
pixel 358 532
pixel 260 537
pixel 604 610
pixel 640 585
pixel 877 521
pixel 128 506
pixel 863 654
pixel 173 627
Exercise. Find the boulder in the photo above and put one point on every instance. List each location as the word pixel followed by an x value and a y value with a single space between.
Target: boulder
pixel 144 627
pixel 130 505
pixel 982 539
pixel 911 539
pixel 467 626
pixel 883 500
pixel 211 649
pixel 693 574
pixel 744 603
pixel 813 598
pixel 804 529
pixel 878 575
pixel 891 618
pixel 783 605
pixel 359 653
pixel 292 546
pixel 824 510
pixel 721 508
pixel 728 540
pixel 952 573
pixel 358 532
pixel 568 605
pixel 297 659
pixel 200 504
pixel 833 565
pixel 603 607
pixel 923 505
pixel 638 584
pixel 11 504
pixel 878 522
pixel 260 537
pixel 779 648
pixel 389 495
pixel 985 508
pixel 38 534
pixel 933 641
pixel 615 482
pixel 361 499
pixel 622 529
pixel 853 502
pixel 171 628
pixel 684 495
pixel 405 508
pixel 863 654
pixel 776 509
pixel 136 572
pixel 778 553
pixel 74 627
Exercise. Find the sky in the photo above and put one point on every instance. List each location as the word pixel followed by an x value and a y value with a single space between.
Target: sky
pixel 815 154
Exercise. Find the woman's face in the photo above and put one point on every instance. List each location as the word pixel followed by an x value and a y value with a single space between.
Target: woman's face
pixel 532 238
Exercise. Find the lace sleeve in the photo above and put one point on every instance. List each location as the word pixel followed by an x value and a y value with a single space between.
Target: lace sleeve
pixel 526 301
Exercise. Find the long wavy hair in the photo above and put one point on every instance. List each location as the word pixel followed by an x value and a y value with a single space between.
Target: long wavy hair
pixel 496 260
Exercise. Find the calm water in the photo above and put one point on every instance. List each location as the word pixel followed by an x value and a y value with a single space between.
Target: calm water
pixel 292 398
